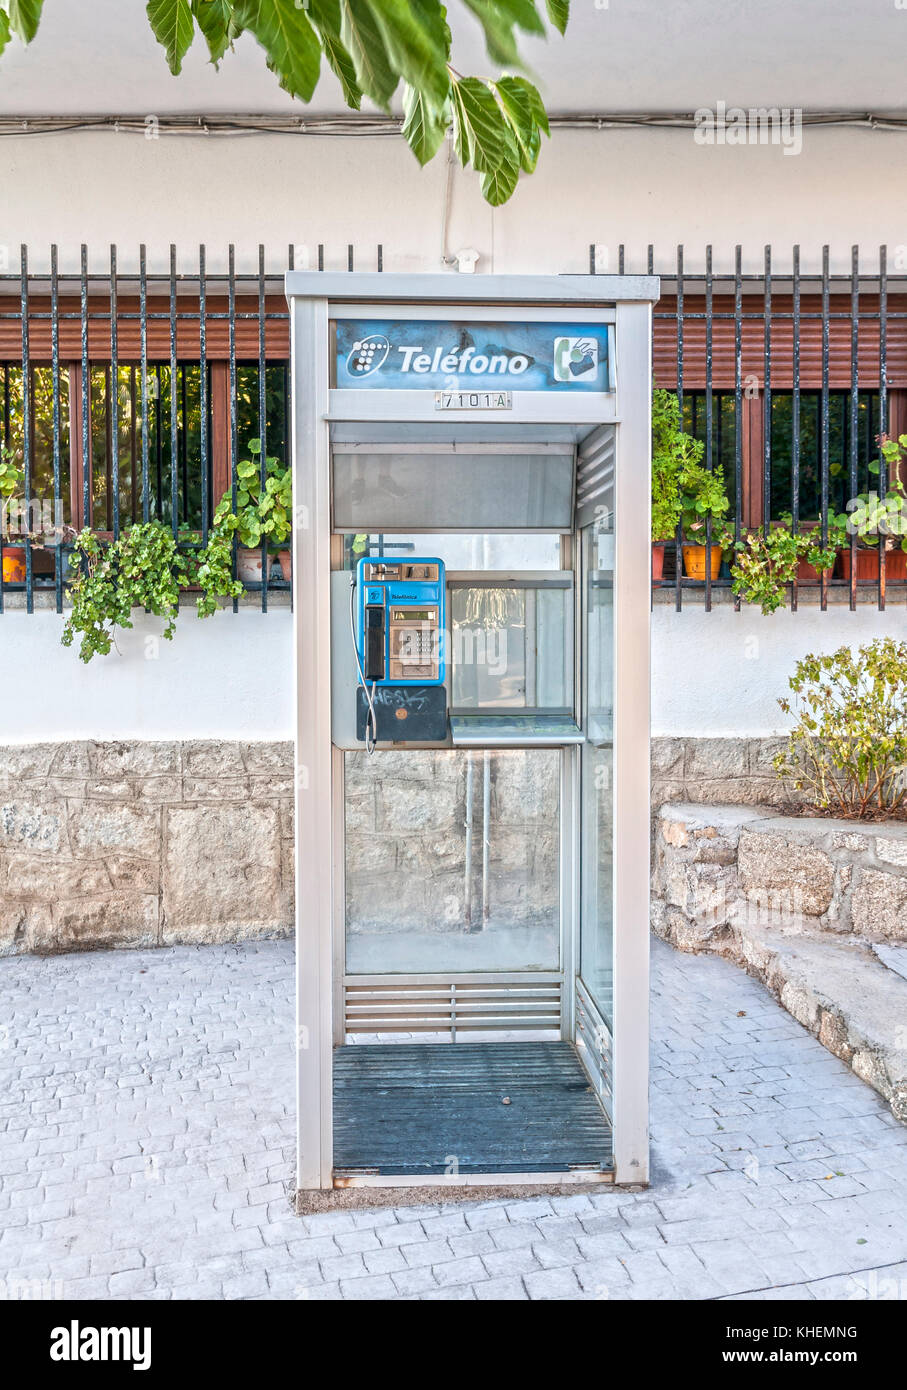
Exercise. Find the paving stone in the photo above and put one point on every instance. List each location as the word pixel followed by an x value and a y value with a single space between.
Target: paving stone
pixel 178 1188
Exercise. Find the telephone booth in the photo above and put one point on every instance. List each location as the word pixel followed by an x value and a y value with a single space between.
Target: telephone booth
pixel 471 595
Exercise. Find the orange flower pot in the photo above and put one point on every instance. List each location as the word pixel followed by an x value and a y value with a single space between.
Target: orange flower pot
pixel 868 565
pixel 658 563
pixel 694 561
pixel 14 564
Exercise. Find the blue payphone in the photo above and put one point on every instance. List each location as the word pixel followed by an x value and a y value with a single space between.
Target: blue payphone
pixel 398 634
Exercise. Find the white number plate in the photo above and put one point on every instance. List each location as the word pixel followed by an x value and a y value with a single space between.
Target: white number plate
pixel 473 400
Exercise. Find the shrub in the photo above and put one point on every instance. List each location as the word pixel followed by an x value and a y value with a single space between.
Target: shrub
pixel 848 750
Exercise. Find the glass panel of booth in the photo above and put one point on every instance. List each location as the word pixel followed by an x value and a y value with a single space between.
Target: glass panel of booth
pixel 597 771
pixel 452 861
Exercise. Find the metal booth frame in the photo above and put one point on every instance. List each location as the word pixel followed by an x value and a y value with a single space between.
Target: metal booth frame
pixel 316 299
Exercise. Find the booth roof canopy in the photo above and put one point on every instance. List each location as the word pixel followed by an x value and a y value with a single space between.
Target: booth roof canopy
pixel 645 55
pixel 456 289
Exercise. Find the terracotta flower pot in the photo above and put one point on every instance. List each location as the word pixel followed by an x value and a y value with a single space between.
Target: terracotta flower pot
pixel 14 564
pixel 658 562
pixel 248 565
pixel 694 561
pixel 808 574
pixel 285 558
pixel 868 565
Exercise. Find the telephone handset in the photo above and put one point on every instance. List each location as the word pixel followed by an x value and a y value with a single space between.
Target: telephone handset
pixel 397 617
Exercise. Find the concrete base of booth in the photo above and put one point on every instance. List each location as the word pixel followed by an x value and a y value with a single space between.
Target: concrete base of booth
pixel 411 1111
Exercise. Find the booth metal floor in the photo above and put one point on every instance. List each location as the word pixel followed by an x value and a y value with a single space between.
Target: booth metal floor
pixel 506 1107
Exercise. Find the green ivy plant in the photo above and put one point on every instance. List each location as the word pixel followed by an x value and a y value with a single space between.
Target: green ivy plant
pixel 12 477
pixel 703 500
pixel 764 566
pixel 263 514
pixel 374 47
pixel 848 749
pixel 144 568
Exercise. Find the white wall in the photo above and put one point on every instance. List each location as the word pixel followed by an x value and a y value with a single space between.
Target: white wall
pixel 717 673
pixel 590 186
pixel 227 677
pixel 722 672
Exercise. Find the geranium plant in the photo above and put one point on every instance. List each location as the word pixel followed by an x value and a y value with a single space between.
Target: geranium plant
pixel 848 749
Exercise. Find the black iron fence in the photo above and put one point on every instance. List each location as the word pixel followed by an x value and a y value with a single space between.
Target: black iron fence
pixel 790 378
pixel 130 396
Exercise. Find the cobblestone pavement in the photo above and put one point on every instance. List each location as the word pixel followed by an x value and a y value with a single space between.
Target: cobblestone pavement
pixel 146 1149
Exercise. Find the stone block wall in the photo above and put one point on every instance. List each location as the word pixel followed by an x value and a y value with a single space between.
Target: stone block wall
pixel 406 839
pixel 718 867
pixel 152 843
pixel 144 844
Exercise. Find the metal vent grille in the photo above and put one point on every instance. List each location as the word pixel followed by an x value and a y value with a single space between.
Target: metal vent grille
pixel 394 1004
pixel 595 474
pixel 594 1044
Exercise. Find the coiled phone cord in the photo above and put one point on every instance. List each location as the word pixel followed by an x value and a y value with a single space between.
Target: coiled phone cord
pixel 371 723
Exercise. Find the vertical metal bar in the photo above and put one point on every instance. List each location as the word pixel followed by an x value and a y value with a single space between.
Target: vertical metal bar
pixel 678 566
pixel 174 415
pixel 767 395
pixel 320 256
pixel 203 387
pixel 133 454
pixel 143 348
pixel 738 399
pixel 825 430
pixel 650 259
pixel 591 257
pixel 620 259
pixel 55 386
pixel 288 416
pixel 854 485
pixel 4 502
pixel 709 460
pixel 349 256
pixel 158 447
pixel 233 422
pixel 114 395
pixel 184 443
pixel 86 389
pixel 380 258
pixel 26 426
pixel 795 421
pixel 883 402
pixel 262 415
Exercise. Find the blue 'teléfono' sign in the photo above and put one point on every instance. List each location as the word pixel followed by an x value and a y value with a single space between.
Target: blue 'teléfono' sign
pixel 436 354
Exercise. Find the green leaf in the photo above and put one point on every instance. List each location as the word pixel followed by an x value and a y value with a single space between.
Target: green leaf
pixel 416 40
pixel 325 15
pixel 558 13
pixel 24 18
pixel 4 30
pixel 498 19
pixel 423 128
pixel 292 46
pixel 499 184
pixel 171 23
pixel 521 103
pixel 362 39
pixel 215 19
pixel 484 139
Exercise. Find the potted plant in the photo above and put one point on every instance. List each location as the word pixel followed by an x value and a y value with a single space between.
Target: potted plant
pixel 12 479
pixel 263 515
pixel 703 506
pixel 879 521
pixel 667 447
pixel 143 568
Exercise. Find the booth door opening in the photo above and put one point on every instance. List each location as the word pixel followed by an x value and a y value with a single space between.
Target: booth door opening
pixel 595 973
